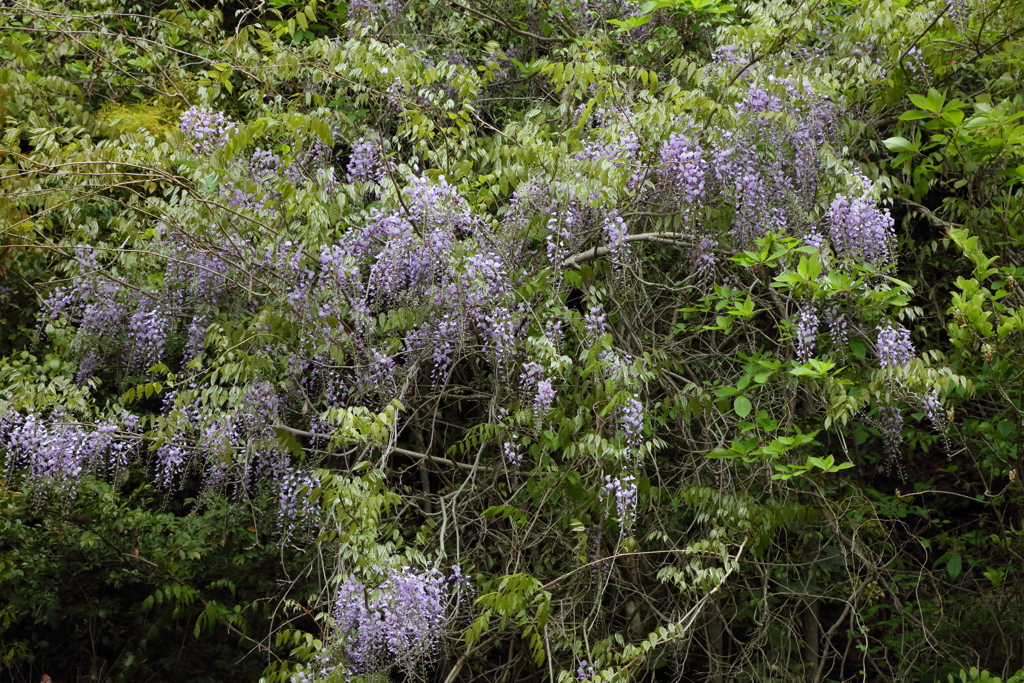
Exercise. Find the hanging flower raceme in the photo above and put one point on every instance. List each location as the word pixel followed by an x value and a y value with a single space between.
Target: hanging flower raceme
pixel 684 168
pixel 398 625
pixel 56 455
pixel 859 230
pixel 894 346
pixel 806 334
pixel 207 129
pixel 623 489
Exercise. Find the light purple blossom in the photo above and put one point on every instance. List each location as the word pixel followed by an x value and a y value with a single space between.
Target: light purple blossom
pixel 894 346
pixel 596 325
pixel 631 420
pixel 838 326
pixel 806 333
pixel 207 129
pixel 513 453
pixel 684 167
pixel 397 625
pixel 859 231
pixel 363 164
pixel 623 489
pixel 891 419
pixel 55 456
pixel 931 406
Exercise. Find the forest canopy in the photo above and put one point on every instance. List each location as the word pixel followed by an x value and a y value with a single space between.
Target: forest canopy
pixel 512 340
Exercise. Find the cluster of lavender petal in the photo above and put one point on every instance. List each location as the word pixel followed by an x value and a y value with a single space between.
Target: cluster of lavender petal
pixel 255 193
pixel 894 346
pixel 585 671
pixel 295 509
pixel 631 420
pixel 615 230
pixel 238 198
pixel 767 171
pixel 513 452
pixel 531 199
pixel 56 456
pixel 723 59
pixel 859 230
pixel 623 490
pixel 99 308
pixel 398 625
pixel 534 382
pixel 565 228
pixel 838 326
pixel 235 450
pixel 806 333
pixel 959 13
pixel 127 328
pixel 148 326
pixel 931 406
pixel 596 325
pixel 362 12
pixel 363 164
pixel 207 129
pixel 314 161
pixel 434 256
pixel 704 260
pixel 617 143
pixel 915 63
pixel 684 169
pixel 891 420
pixel 263 165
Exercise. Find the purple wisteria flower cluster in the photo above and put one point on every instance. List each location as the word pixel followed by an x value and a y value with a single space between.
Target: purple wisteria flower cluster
pixel 535 383
pixel 770 173
pixel 565 228
pixel 513 452
pixel 959 13
pixel 838 326
pixel 806 333
pixel 763 172
pixel 623 490
pixel 364 162
pixel 56 456
pixel 207 129
pixel 254 190
pixel 859 230
pixel 931 406
pixel 894 346
pixel 617 142
pixel 684 167
pixel 397 625
pixel 615 230
pixel 596 325
pixel 416 258
pixel 585 671
pixel 234 451
pixel 891 420
pixel 631 422
pixel 110 318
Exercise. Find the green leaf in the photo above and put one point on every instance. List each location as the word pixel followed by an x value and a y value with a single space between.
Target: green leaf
pixel 742 406
pixel 933 102
pixel 954 565
pixel 914 115
pixel 898 144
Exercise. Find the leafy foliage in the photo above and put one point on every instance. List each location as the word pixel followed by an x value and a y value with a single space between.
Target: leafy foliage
pixel 465 340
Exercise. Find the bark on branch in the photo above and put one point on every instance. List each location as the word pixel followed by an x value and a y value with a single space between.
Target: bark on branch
pixel 598 251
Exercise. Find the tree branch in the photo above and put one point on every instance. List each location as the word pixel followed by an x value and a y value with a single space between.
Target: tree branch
pixel 401 451
pixel 925 211
pixel 598 251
